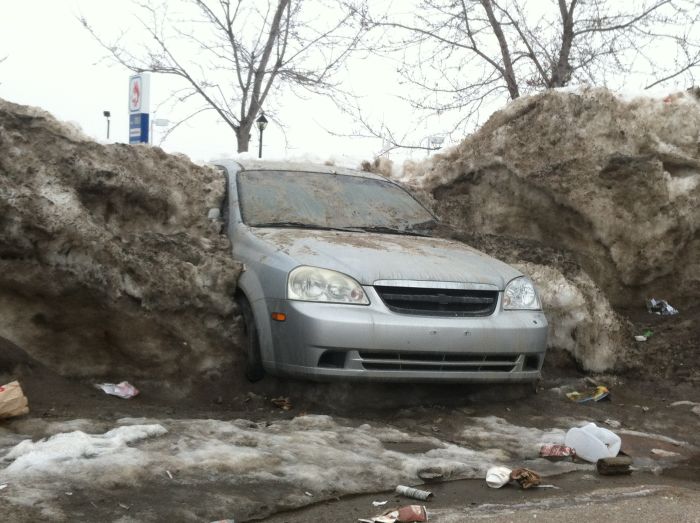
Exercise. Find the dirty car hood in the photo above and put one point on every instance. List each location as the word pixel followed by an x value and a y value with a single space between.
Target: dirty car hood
pixel 369 257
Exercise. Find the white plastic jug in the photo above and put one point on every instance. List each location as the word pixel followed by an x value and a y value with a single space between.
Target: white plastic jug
pixel 592 442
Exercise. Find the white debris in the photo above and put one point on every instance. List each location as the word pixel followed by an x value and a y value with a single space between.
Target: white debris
pixel 664 453
pixel 684 403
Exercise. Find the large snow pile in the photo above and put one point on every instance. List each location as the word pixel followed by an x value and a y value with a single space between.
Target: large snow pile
pixel 613 180
pixel 108 261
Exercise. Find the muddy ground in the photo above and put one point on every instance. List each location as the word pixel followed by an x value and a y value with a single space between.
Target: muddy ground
pixel 662 487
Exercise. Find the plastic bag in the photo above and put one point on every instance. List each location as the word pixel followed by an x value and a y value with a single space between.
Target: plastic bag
pixel 124 389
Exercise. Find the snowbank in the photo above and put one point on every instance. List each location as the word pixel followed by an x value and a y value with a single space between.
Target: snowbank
pixel 108 262
pixel 616 181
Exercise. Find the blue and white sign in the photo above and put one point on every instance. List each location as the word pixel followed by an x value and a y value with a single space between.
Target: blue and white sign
pixel 139 90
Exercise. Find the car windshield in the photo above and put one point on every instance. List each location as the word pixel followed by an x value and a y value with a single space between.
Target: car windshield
pixel 329 201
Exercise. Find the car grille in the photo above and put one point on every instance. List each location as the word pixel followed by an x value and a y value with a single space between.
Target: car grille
pixel 438 361
pixel 438 302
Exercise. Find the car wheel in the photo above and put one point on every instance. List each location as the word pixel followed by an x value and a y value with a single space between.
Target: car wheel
pixel 253 369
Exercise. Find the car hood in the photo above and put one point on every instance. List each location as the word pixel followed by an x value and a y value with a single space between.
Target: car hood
pixel 369 257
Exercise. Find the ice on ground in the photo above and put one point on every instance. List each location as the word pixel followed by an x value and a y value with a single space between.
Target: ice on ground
pixel 313 453
pixel 64 450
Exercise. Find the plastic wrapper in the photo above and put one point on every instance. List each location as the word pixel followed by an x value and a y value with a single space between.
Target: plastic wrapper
pixel 554 452
pixel 124 390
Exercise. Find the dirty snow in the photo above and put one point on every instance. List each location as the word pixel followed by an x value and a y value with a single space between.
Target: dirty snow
pixel 64 450
pixel 581 319
pixel 107 257
pixel 315 453
pixel 613 179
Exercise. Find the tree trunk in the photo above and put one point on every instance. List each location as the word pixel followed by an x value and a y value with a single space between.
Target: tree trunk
pixel 507 72
pixel 243 138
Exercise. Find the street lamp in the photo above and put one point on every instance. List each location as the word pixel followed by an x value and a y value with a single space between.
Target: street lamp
pixel 262 123
pixel 107 114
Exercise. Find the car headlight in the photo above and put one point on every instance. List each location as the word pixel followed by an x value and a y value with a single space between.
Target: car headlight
pixel 315 284
pixel 520 294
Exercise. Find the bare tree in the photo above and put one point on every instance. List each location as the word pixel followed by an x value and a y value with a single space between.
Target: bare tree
pixel 235 55
pixel 462 55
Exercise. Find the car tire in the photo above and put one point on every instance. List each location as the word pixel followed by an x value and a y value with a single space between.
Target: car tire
pixel 253 367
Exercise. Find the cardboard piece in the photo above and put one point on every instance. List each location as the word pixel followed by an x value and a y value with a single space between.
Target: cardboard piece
pixel 13 402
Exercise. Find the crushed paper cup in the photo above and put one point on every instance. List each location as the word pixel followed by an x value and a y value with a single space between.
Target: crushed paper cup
pixel 496 477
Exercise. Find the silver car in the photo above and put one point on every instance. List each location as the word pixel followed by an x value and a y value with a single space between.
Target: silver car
pixel 342 280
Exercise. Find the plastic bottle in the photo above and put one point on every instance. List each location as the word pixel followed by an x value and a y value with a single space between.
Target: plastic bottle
pixel 592 442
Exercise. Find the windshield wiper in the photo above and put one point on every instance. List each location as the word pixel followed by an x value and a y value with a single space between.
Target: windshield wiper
pixel 301 225
pixel 393 230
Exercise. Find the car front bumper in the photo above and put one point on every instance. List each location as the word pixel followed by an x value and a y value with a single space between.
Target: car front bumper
pixel 338 341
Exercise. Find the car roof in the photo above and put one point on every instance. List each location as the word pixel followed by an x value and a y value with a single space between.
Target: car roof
pixel 266 165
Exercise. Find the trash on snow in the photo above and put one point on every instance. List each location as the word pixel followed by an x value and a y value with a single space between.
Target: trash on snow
pixel 526 478
pixel 592 443
pixel 496 477
pixel 598 394
pixel 415 493
pixel 554 452
pixel 13 402
pixel 661 307
pixel 124 390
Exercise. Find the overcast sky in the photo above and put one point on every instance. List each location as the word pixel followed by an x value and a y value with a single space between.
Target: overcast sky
pixel 54 63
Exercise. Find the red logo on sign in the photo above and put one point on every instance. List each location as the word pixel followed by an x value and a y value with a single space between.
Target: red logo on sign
pixel 135 95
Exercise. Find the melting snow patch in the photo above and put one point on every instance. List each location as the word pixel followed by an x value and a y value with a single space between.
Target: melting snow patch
pixel 313 453
pixel 63 450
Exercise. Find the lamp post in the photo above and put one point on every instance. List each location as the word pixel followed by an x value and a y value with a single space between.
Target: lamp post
pixel 262 123
pixel 107 114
